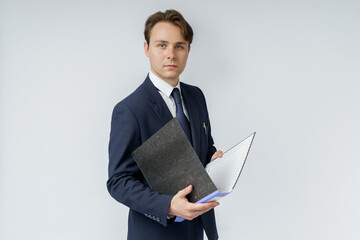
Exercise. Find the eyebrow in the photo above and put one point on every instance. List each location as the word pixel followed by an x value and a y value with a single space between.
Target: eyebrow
pixel 163 41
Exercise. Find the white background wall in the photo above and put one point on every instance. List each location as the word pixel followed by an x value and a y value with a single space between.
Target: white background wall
pixel 286 69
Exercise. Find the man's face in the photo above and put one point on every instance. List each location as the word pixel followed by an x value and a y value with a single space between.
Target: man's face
pixel 167 52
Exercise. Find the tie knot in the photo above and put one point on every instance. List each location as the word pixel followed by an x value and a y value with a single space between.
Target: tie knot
pixel 176 95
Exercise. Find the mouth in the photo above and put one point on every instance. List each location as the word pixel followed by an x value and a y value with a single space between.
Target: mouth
pixel 170 66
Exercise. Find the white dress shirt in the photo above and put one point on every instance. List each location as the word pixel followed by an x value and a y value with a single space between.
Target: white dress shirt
pixel 165 90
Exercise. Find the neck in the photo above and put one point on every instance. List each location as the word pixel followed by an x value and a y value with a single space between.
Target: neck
pixel 172 81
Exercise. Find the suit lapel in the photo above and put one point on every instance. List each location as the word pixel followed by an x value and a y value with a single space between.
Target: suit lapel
pixel 156 102
pixel 193 112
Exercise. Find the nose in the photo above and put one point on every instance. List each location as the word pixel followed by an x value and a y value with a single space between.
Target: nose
pixel 171 53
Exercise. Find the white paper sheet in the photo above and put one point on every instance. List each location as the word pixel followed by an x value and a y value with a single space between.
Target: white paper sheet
pixel 225 171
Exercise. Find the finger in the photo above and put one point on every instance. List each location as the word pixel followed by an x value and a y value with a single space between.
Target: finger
pixel 220 153
pixel 198 213
pixel 205 206
pixel 216 155
pixel 196 209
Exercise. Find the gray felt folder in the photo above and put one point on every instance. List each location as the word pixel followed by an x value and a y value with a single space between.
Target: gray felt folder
pixel 169 164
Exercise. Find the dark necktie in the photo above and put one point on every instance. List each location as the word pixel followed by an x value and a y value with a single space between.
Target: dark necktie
pixel 180 114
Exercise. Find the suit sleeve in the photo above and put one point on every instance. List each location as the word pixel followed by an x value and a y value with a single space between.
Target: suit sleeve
pixel 124 183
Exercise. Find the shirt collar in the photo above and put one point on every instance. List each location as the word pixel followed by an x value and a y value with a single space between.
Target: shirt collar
pixel 162 85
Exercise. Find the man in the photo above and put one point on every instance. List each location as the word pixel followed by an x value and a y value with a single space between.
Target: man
pixel 136 118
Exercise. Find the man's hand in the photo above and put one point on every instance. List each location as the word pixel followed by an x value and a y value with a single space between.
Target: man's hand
pixel 216 155
pixel 181 207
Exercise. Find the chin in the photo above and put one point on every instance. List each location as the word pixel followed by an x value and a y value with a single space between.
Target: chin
pixel 171 76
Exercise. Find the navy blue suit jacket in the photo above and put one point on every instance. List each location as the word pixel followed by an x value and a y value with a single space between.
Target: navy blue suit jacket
pixel 134 120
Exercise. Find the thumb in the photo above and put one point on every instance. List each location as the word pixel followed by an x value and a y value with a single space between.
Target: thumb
pixel 185 191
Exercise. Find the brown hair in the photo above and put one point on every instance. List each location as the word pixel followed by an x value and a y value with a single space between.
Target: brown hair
pixel 171 16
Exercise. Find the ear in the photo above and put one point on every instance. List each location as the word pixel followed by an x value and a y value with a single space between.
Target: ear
pixel 189 49
pixel 146 49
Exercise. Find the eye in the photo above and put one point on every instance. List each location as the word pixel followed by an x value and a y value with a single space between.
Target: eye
pixel 161 45
pixel 179 47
